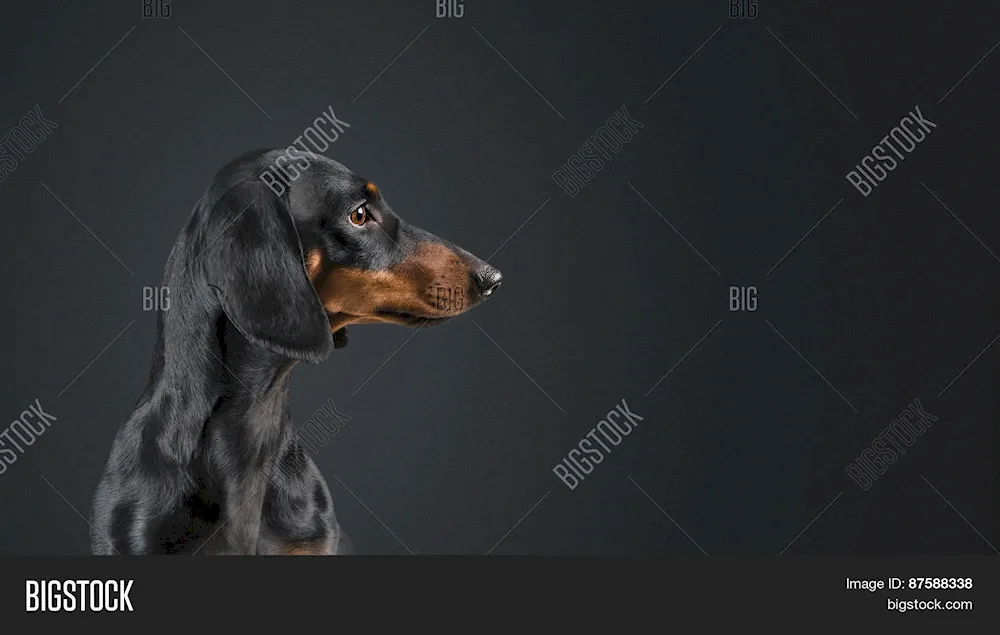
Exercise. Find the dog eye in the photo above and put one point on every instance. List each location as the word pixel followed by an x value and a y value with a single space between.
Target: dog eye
pixel 359 216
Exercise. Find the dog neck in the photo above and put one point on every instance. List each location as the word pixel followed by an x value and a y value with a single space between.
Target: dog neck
pixel 213 387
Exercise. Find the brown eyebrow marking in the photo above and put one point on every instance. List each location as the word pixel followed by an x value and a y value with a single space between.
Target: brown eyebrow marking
pixel 371 189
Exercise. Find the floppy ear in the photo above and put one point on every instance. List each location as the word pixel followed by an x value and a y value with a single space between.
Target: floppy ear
pixel 254 263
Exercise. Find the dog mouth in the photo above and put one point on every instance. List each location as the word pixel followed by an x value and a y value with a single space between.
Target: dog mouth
pixel 410 319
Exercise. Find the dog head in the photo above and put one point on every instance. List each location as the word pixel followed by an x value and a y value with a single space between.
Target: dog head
pixel 300 257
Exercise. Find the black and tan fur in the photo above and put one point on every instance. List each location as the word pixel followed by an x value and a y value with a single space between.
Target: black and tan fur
pixel 208 462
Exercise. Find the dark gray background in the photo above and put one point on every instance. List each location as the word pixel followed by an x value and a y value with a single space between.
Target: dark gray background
pixel 451 443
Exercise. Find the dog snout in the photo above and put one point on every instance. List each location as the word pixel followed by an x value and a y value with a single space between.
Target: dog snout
pixel 487 280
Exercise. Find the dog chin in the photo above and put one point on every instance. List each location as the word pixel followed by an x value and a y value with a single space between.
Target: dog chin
pixel 404 318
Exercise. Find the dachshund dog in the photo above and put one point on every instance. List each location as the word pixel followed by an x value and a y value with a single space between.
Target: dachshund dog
pixel 208 461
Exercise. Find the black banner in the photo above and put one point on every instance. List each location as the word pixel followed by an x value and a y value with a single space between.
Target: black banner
pixel 620 593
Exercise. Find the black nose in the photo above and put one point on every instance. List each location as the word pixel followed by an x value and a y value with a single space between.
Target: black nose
pixel 488 280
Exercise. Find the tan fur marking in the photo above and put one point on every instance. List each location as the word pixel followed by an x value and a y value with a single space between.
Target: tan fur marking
pixel 305 549
pixel 313 261
pixel 355 296
pixel 371 189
